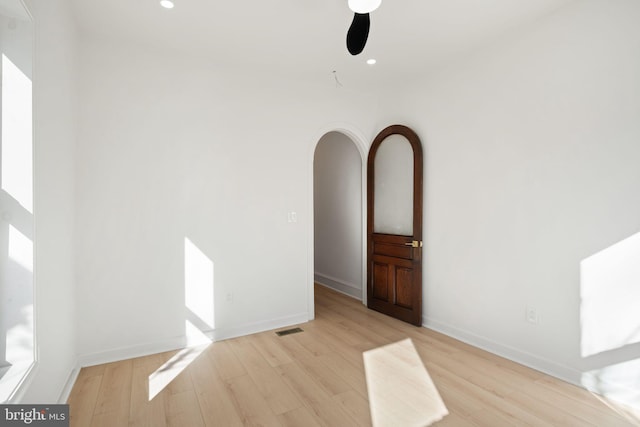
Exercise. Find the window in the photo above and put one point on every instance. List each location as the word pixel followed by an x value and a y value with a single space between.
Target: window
pixel 16 197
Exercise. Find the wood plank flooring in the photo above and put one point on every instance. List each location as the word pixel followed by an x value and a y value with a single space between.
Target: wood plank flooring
pixel 317 378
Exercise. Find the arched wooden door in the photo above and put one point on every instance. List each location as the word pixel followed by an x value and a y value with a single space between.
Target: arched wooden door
pixel 394 224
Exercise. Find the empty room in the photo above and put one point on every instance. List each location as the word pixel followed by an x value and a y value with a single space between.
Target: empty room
pixel 333 213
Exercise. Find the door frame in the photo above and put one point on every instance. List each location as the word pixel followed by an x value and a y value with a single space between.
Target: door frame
pixel 362 144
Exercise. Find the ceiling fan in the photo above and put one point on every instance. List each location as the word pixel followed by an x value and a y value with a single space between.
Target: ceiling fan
pixel 359 30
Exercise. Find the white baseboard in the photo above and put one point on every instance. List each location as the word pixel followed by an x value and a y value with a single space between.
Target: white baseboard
pixel 590 381
pixel 253 328
pixel 339 285
pixel 130 352
pixel 180 342
pixel 68 386
pixel 527 359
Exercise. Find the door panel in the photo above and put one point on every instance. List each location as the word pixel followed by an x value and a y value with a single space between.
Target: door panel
pixel 404 283
pixel 394 224
pixel 381 282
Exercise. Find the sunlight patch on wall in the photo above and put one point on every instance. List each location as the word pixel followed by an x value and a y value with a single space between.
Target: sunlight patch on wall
pixel 610 291
pixel 195 336
pixel 17 157
pixel 400 389
pixel 199 285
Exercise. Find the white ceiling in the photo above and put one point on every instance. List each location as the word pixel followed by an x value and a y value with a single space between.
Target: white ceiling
pixel 308 36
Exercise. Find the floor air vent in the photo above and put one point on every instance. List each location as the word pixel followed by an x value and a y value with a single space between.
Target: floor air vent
pixel 288 332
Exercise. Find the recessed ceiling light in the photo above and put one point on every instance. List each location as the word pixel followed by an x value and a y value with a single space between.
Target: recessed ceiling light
pixel 371 61
pixel 167 4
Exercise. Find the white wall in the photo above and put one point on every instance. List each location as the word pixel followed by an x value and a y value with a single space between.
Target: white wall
pixel 338 214
pixel 54 165
pixel 532 161
pixel 173 148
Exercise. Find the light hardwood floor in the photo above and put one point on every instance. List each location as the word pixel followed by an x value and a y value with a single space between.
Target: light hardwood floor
pixel 317 378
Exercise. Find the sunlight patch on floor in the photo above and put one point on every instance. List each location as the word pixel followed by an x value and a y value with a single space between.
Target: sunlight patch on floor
pixel 197 343
pixel 166 373
pixel 400 389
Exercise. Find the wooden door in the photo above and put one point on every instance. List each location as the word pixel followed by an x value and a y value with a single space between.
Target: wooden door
pixel 394 224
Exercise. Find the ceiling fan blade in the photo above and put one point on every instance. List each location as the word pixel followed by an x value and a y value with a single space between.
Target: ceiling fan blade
pixel 358 33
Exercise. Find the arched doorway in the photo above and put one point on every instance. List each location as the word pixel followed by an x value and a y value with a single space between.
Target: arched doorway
pixel 338 230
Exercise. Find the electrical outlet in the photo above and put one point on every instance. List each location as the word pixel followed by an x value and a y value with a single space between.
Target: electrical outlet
pixel 229 297
pixel 532 315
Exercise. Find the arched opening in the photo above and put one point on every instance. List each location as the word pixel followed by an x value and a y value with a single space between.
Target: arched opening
pixel 338 234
